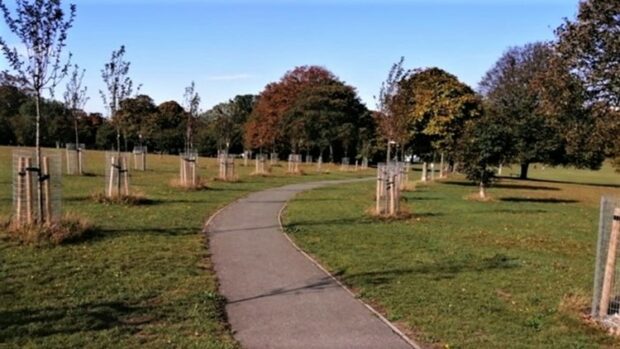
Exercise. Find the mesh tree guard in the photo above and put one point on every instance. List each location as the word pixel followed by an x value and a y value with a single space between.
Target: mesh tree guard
pixel 188 164
pixel 227 167
pixel 28 180
pixel 319 163
pixel 293 163
pixel 260 161
pixel 308 159
pixel 74 156
pixel 247 155
pixel 606 295
pixel 116 174
pixel 344 164
pixel 273 158
pixel 364 163
pixel 139 157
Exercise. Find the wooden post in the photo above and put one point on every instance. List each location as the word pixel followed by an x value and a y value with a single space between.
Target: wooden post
pixel 47 193
pixel 424 170
pixel 21 169
pixel 80 162
pixel 125 169
pixel 433 170
pixel 610 265
pixel 442 172
pixel 378 192
pixel 112 175
pixel 29 198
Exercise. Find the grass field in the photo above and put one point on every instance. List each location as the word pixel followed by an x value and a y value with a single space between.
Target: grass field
pixel 143 280
pixel 516 272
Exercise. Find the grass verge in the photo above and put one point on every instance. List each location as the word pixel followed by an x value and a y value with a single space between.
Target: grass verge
pixel 514 272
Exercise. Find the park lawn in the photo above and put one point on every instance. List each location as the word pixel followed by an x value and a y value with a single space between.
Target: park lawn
pixel 516 272
pixel 143 280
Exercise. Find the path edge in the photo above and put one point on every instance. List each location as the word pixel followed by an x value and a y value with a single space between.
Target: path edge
pixel 387 322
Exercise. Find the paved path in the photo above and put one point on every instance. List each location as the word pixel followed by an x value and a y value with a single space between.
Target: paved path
pixel 278 298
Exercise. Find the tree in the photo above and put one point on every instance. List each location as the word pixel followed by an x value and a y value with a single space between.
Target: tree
pixel 324 116
pixel 165 128
pixel 532 90
pixel 42 28
pixel 483 145
pixel 75 100
pixel 119 87
pixel 224 124
pixel 439 106
pixel 134 116
pixel 391 116
pixel 590 45
pixel 192 104
pixel 264 129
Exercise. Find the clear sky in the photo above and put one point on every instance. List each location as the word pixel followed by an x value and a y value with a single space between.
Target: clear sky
pixel 237 47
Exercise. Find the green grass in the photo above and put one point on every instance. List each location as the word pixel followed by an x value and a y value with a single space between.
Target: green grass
pixel 515 272
pixel 144 280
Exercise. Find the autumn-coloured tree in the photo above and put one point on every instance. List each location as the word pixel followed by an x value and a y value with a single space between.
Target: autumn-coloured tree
pixel 264 129
pixel 439 106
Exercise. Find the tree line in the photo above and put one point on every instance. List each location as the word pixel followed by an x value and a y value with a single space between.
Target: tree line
pixel 555 103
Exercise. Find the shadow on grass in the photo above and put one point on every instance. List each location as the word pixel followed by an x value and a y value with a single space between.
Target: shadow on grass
pixel 440 270
pixel 539 200
pixel 505 186
pixel 32 322
pixel 606 185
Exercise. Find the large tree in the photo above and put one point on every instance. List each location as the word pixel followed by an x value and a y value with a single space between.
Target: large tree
pixel 264 129
pixel 223 125
pixel 590 45
pixel 42 28
pixel 325 116
pixel 438 105
pixel 531 89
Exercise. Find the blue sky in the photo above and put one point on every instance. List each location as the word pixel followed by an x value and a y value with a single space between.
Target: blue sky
pixel 237 47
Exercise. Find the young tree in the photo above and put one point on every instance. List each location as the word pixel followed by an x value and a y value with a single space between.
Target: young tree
pixel 192 106
pixel 42 28
pixel 75 100
pixel 119 87
pixel 391 115
pixel 484 144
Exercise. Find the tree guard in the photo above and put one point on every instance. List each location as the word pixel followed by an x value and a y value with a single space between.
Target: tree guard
pixel 227 167
pixel 116 175
pixel 74 156
pixel 139 158
pixel 25 181
pixel 188 163
pixel 293 163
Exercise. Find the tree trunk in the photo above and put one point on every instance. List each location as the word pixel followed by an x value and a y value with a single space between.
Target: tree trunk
pixel 38 158
pixel 77 143
pixel 331 153
pixel 525 166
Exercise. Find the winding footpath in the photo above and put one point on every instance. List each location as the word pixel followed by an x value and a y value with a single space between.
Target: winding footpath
pixel 277 297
